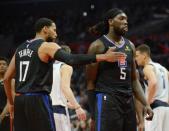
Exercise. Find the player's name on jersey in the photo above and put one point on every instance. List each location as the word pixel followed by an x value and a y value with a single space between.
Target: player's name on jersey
pixel 25 52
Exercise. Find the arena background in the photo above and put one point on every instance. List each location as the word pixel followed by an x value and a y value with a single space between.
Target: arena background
pixel 148 23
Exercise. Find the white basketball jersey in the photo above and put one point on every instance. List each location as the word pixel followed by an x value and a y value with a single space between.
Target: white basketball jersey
pixel 162 82
pixel 56 94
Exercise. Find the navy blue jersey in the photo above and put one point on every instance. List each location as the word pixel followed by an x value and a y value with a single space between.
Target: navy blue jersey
pixel 32 75
pixel 3 98
pixel 115 76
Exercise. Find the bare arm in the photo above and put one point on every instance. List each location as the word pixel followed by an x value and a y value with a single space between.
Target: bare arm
pixel 13 88
pixel 139 111
pixel 152 82
pixel 96 47
pixel 66 73
pixel 9 75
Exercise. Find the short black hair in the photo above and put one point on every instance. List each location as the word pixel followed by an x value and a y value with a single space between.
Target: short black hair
pixel 41 23
pixel 144 49
pixel 4 59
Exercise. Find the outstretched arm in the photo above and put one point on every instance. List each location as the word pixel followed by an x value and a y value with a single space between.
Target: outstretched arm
pixel 53 51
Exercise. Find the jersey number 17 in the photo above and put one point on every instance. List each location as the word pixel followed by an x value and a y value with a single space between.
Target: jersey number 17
pixel 23 71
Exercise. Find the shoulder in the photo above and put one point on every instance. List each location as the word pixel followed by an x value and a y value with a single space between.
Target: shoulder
pixel 96 47
pixel 148 68
pixel 48 45
pixel 65 67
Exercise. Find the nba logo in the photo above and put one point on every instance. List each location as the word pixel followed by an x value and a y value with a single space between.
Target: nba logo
pixel 122 62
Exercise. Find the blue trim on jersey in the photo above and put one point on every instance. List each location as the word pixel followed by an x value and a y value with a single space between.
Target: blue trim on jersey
pixel 59 109
pixel 49 108
pixel 119 46
pixel 34 94
pixel 99 108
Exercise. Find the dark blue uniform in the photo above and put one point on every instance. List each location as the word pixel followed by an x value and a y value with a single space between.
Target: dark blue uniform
pixel 32 106
pixel 114 100
pixel 5 124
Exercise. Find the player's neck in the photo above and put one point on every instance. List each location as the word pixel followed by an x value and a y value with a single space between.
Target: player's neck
pixel 40 36
pixel 147 61
pixel 1 76
pixel 112 36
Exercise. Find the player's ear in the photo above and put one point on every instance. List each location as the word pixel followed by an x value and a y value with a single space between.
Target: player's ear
pixel 110 21
pixel 45 29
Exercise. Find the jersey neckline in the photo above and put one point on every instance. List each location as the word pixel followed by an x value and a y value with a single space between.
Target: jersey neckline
pixel 119 46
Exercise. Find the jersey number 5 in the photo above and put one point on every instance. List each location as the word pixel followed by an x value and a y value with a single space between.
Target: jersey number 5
pixel 23 71
pixel 122 73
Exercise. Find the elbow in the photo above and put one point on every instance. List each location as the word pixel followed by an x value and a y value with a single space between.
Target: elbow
pixel 64 89
pixel 6 80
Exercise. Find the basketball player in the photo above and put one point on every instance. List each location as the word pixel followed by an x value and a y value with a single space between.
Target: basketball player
pixel 4 114
pixel 32 66
pixel 60 91
pixel 157 89
pixel 115 82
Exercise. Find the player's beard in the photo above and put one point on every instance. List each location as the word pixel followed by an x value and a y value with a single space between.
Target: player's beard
pixel 50 39
pixel 119 32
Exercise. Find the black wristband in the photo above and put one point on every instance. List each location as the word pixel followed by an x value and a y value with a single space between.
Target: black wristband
pixel 74 59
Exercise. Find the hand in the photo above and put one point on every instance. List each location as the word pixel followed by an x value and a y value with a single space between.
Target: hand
pixel 149 113
pixel 113 56
pixel 2 116
pixel 81 114
pixel 11 110
pixel 141 126
pixel 1 119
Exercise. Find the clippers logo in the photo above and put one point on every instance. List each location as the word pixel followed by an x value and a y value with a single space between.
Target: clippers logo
pixel 122 63
pixel 127 48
